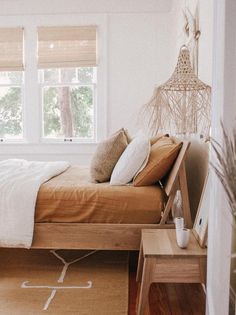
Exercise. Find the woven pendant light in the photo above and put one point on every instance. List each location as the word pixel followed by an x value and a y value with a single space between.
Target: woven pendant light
pixel 180 106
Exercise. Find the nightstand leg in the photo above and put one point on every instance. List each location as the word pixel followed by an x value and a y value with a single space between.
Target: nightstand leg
pixel 203 270
pixel 145 285
pixel 140 264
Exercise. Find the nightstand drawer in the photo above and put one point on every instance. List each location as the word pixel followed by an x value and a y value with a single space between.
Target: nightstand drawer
pixel 180 270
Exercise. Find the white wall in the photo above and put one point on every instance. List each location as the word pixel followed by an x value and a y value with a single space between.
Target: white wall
pixel 140 57
pixel 205 41
pixel 140 40
pixel 224 100
pixel 34 7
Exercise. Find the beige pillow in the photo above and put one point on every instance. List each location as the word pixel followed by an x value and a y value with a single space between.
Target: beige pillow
pixel 162 156
pixel 106 156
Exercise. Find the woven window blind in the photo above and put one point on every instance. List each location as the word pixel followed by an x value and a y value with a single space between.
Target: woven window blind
pixel 69 46
pixel 11 49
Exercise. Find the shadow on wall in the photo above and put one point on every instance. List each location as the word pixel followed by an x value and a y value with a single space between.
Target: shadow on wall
pixel 197 165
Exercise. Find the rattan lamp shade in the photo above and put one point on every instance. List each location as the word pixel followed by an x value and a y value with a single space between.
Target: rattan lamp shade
pixel 181 105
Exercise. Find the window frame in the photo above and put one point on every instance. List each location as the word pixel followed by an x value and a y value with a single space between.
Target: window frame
pixel 32 114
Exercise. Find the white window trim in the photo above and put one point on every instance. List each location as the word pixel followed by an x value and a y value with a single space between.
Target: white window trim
pixel 32 113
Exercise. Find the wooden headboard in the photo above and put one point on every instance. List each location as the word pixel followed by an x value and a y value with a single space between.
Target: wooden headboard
pixel 173 175
pixel 177 180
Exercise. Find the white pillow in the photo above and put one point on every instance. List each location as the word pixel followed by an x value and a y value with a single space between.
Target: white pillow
pixel 131 160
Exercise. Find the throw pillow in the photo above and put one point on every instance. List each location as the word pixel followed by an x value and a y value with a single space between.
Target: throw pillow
pixel 106 156
pixel 132 159
pixel 162 156
pixel 154 139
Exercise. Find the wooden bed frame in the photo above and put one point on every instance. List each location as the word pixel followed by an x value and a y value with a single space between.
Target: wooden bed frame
pixel 115 236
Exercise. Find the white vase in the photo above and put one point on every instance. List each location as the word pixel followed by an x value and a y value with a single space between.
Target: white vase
pixel 182 237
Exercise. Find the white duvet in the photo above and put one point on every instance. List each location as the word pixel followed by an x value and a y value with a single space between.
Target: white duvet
pixel 20 181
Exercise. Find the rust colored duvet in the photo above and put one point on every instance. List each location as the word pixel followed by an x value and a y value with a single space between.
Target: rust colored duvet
pixel 71 197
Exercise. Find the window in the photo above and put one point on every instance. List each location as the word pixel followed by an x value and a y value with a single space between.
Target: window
pixel 67 74
pixel 68 97
pixel 11 83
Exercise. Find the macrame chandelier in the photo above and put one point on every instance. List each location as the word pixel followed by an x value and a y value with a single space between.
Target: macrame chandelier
pixel 181 106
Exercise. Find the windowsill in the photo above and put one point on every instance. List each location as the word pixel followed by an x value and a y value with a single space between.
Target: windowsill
pixel 74 141
pixel 45 142
pixel 15 141
pixel 34 150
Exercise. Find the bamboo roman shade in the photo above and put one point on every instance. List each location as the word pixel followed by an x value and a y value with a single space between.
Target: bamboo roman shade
pixel 11 49
pixel 69 46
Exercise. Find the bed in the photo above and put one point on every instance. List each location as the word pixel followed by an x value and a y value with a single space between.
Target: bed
pixel 77 214
pixel 71 197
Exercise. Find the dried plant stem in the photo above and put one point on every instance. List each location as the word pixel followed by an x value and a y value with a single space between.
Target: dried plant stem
pixel 225 168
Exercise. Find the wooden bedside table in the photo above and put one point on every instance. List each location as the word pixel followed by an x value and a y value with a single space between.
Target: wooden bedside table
pixel 161 260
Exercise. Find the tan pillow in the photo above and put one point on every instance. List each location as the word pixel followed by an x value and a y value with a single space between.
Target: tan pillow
pixel 154 139
pixel 162 156
pixel 106 156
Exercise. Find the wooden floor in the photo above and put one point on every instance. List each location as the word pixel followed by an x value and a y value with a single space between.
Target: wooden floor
pixel 169 299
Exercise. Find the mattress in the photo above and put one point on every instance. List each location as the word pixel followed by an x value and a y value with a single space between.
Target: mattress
pixel 71 197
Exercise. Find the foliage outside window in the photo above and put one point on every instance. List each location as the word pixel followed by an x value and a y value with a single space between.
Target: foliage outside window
pixel 11 83
pixel 68 102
